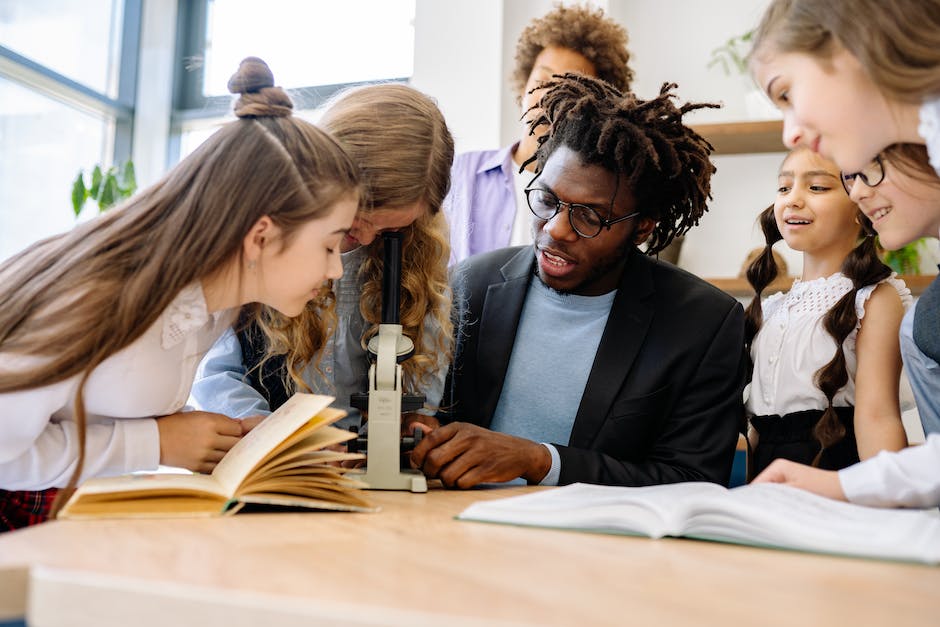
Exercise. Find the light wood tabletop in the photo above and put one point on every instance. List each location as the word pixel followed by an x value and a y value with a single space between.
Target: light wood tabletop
pixel 412 563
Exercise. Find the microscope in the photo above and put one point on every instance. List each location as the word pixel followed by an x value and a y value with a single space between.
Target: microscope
pixel 385 401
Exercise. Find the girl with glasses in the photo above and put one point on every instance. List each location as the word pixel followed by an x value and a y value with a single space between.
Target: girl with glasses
pixel 852 78
pixel 102 327
pixel 824 389
pixel 903 206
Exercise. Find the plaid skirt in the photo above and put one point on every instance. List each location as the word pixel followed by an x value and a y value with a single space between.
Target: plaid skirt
pixel 21 509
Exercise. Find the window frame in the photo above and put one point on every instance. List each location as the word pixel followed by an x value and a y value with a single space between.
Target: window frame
pixel 43 80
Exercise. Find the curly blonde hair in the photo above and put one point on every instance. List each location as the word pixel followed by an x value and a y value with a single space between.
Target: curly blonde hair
pixel 583 29
pixel 398 137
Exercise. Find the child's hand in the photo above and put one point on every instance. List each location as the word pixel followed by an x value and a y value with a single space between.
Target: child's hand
pixel 823 482
pixel 197 440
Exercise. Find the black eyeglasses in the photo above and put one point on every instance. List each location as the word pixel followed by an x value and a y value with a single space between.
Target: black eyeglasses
pixel 585 220
pixel 872 175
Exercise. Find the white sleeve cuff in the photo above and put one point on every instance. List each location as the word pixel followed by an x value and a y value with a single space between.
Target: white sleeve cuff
pixel 551 477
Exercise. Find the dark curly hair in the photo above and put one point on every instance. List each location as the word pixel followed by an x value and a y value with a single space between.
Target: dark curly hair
pixel 583 29
pixel 663 162
pixel 863 267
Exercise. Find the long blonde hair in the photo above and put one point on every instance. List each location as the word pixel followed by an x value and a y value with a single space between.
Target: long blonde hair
pixel 398 137
pixel 77 298
pixel 897 42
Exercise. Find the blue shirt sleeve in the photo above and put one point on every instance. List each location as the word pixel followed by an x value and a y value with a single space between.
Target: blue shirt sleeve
pixel 221 385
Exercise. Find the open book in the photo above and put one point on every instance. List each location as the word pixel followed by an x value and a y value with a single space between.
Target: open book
pixel 281 462
pixel 769 515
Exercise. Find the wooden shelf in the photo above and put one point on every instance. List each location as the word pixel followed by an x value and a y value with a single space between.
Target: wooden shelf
pixel 735 138
pixel 735 286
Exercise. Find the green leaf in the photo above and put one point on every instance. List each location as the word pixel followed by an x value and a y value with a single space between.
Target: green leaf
pixel 79 194
pixel 109 193
pixel 96 177
pixel 128 179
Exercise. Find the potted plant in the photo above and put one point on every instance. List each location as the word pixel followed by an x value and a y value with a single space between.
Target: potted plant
pixel 106 187
pixel 731 57
pixel 904 260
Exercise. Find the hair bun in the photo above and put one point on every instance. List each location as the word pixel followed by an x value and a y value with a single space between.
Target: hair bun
pixel 254 82
pixel 252 76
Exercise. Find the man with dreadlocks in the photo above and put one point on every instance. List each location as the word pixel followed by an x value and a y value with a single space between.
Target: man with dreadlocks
pixel 580 358
pixel 486 207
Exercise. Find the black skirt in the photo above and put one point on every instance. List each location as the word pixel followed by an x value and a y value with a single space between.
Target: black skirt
pixel 791 437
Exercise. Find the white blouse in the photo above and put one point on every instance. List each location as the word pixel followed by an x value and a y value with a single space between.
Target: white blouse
pixel 793 344
pixel 929 129
pixel 149 378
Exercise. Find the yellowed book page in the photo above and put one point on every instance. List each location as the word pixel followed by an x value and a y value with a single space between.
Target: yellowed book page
pixel 325 479
pixel 316 441
pixel 141 485
pixel 143 506
pixel 264 438
pixel 312 498
pixel 277 467
pixel 298 440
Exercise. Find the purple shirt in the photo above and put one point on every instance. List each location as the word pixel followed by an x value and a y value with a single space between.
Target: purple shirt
pixel 481 204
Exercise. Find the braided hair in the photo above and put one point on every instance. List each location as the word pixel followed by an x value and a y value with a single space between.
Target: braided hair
pixel 863 267
pixel 664 162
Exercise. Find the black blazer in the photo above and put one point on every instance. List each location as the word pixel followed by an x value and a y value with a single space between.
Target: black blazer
pixel 663 401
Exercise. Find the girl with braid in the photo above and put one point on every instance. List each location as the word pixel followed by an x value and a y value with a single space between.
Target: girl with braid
pixel 398 137
pixel 853 78
pixel 824 389
pixel 102 327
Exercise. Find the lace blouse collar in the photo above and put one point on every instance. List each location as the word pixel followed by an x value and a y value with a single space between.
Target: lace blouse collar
pixel 186 313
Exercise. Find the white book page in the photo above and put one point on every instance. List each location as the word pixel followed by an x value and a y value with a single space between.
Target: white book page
pixel 653 511
pixel 783 516
pixel 252 448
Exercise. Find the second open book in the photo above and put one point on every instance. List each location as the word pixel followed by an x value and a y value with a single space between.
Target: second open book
pixel 283 462
pixel 763 515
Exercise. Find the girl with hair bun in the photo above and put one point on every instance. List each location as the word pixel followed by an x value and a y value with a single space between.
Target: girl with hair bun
pixel 827 365
pixel 400 141
pixel 103 326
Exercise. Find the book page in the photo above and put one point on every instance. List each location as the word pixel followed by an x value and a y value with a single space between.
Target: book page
pixel 251 449
pixel 786 517
pixel 142 484
pixel 653 511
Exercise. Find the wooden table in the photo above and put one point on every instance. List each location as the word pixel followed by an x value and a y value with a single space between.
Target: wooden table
pixel 412 564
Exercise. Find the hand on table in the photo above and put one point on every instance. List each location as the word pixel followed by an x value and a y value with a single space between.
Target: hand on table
pixel 823 482
pixel 463 455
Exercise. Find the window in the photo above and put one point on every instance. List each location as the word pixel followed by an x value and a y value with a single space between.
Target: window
pixel 66 103
pixel 314 48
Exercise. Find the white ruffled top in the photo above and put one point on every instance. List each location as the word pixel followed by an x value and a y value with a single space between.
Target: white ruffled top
pixel 929 129
pixel 793 344
pixel 150 377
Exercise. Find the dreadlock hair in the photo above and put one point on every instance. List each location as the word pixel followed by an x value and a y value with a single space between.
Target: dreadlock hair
pixel 664 162
pixel 863 267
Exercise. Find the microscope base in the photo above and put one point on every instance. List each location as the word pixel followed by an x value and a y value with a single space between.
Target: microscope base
pixel 410 480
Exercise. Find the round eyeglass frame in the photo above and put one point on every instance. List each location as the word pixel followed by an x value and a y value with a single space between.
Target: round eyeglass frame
pixel 572 207
pixel 877 175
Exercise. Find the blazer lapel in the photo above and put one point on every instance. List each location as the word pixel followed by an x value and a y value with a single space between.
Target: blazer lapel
pixel 498 323
pixel 630 317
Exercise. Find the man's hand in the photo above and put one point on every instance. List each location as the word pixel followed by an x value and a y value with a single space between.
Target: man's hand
pixel 463 455
pixel 823 482
pixel 197 440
